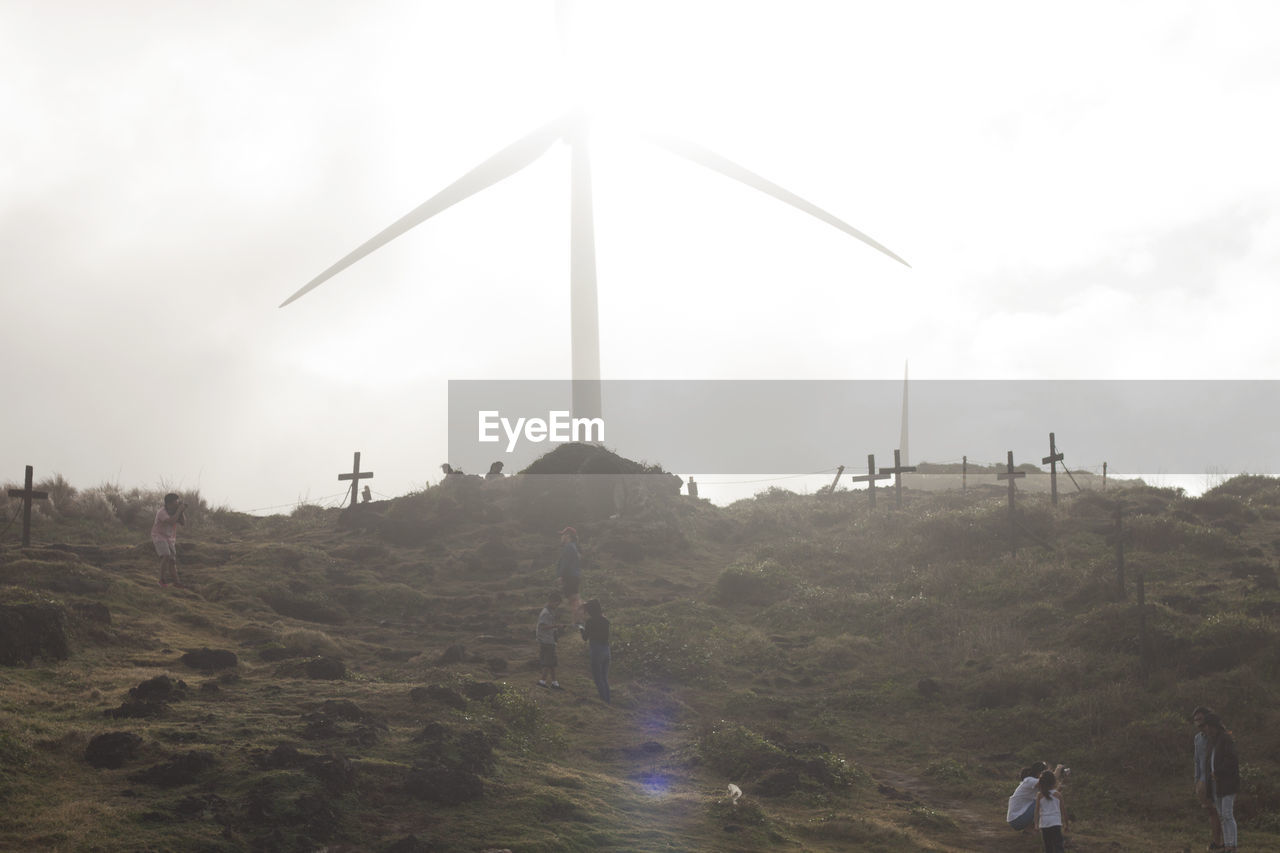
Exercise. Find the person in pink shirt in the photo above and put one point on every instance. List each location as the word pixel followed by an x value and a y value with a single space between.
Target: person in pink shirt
pixel 164 535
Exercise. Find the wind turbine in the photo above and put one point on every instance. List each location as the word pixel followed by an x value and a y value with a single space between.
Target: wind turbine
pixel 573 129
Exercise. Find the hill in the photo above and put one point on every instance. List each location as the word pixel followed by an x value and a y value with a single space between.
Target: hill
pixel 363 679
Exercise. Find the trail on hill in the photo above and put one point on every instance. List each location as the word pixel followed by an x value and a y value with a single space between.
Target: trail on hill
pixel 981 824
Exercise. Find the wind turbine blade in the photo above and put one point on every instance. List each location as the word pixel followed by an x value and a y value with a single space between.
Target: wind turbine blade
pixel 711 160
pixel 505 163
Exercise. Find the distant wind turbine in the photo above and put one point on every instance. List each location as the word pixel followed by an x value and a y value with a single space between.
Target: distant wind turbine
pixel 573 128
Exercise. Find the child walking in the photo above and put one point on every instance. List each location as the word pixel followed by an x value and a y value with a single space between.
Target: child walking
pixel 1051 813
pixel 548 631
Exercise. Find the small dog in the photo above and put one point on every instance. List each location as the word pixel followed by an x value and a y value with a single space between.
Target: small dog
pixel 734 793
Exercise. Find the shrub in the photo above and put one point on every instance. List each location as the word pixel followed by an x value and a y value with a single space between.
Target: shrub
pixel 756 584
pixel 662 650
pixel 1225 641
pixel 737 752
pixel 308 641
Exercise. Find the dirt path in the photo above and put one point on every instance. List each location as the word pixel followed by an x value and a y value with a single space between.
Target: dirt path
pixel 980 825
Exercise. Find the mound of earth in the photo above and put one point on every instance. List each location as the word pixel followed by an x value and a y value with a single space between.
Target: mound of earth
pixel 579 458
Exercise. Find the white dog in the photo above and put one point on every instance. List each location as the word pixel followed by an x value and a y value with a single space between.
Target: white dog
pixel 734 793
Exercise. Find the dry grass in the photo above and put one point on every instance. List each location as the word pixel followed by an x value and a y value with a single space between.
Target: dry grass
pixel 889 640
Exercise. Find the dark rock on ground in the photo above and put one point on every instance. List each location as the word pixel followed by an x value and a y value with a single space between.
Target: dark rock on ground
pixel 93 611
pixel 327 723
pixel 112 749
pixel 208 807
pixel 210 659
pixel 446 695
pixel 177 771
pixel 779 782
pixel 318 815
pixel 283 757
pixel 410 844
pixel 325 668
pixel 162 688
pixel 453 654
pixel 28 631
pixel 476 690
pixel 335 772
pixel 440 784
pixel 149 698
pixel 342 709
pixel 470 751
pixel 496 665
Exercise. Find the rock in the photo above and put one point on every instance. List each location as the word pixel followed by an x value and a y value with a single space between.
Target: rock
pixel 210 659
pixel 496 665
pixel 150 698
pixel 318 814
pixel 335 772
pixel 325 668
pixel 440 784
pixel 177 771
pixel 453 654
pixel 446 695
pixel 112 749
pixel 477 690
pixel 475 752
pixel 342 709
pixel 209 806
pixel 779 782
pixel 283 757
pixel 162 688
pixel 28 631
pixel 94 611
pixel 410 844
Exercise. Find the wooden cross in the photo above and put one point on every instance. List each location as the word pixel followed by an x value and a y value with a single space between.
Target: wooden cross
pixel 1053 459
pixel 870 478
pixel 1012 475
pixel 897 471
pixel 355 477
pixel 28 495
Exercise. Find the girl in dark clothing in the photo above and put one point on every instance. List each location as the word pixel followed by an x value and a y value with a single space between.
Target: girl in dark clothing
pixel 596 635
pixel 1222 769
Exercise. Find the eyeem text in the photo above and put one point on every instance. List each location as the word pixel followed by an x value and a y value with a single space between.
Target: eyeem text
pixel 558 427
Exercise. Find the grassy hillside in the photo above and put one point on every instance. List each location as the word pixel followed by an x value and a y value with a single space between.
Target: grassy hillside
pixel 871 681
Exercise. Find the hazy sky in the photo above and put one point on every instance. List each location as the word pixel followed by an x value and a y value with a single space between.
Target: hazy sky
pixel 1089 192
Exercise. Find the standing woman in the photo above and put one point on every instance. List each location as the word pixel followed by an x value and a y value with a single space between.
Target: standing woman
pixel 569 571
pixel 1222 769
pixel 596 634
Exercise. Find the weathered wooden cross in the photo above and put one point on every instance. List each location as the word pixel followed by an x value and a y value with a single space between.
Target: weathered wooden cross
pixel 28 494
pixel 897 471
pixel 870 478
pixel 355 477
pixel 1052 460
pixel 1012 475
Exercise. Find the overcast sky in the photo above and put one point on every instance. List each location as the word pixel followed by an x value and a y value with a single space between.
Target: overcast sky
pixel 1082 192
